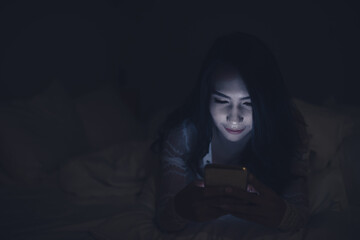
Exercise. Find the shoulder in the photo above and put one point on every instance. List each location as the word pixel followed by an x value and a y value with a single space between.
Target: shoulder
pixel 186 127
pixel 182 137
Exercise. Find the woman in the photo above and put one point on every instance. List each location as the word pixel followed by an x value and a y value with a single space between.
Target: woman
pixel 238 114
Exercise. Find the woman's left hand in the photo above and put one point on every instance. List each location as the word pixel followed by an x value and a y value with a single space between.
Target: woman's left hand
pixel 266 207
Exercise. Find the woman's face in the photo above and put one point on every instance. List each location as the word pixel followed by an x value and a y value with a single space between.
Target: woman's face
pixel 230 105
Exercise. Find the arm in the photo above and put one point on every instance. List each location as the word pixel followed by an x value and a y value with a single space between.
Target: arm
pixel 296 196
pixel 287 212
pixel 166 216
pixel 174 176
pixel 181 198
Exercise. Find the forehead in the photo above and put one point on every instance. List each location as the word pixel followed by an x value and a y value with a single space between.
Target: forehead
pixel 228 81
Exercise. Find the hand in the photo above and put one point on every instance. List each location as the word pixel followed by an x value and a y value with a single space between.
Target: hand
pixel 264 207
pixel 191 204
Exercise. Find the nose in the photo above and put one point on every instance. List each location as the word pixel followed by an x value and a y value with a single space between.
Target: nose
pixel 234 117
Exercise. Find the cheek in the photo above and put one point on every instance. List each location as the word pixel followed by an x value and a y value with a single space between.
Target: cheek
pixel 216 112
pixel 249 119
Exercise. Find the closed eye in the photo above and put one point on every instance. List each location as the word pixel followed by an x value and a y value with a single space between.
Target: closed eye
pixel 247 103
pixel 220 101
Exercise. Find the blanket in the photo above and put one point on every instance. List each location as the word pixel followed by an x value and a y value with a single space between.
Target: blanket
pixel 130 171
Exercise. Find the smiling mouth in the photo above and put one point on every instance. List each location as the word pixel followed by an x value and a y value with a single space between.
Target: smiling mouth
pixel 232 131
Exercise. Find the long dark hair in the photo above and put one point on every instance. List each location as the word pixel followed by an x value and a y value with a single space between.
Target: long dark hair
pixel 279 129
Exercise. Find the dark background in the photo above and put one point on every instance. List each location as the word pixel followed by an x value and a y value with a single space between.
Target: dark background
pixel 154 50
pixel 156 47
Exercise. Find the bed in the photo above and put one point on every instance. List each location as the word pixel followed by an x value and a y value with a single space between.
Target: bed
pixel 79 167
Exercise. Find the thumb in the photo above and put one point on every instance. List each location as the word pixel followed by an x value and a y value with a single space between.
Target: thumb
pixel 259 186
pixel 199 183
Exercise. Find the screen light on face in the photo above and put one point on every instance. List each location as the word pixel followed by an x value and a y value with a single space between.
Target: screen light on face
pixel 230 106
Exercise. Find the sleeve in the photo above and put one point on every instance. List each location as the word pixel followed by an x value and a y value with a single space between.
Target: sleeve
pixel 296 195
pixel 175 175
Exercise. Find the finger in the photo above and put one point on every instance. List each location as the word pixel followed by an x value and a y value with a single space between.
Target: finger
pixel 220 201
pixel 240 194
pixel 205 213
pixel 210 202
pixel 251 189
pixel 199 183
pixel 214 191
pixel 258 185
pixel 244 209
pixel 253 218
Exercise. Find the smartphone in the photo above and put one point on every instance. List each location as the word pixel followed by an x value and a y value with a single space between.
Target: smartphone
pixel 226 175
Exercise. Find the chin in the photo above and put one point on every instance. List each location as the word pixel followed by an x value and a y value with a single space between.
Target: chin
pixel 232 139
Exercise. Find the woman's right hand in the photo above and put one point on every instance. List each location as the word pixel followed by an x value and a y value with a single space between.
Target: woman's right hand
pixel 193 205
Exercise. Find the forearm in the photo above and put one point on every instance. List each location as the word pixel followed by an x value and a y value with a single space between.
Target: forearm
pixel 295 217
pixel 297 211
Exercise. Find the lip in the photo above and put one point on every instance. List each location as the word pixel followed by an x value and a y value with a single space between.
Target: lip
pixel 234 131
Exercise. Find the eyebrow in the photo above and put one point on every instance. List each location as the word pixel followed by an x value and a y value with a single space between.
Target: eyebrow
pixel 223 95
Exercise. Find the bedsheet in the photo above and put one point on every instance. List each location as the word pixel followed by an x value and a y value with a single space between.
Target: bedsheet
pixel 110 195
pixel 49 213
pixel 138 223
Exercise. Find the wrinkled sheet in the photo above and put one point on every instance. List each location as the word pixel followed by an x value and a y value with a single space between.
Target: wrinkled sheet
pixel 138 223
pixel 49 213
pixel 110 194
pixel 125 170
pixel 91 188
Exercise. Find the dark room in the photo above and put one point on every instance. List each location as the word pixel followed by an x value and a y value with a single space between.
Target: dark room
pixel 154 120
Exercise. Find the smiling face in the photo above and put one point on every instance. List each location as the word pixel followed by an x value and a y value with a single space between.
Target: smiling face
pixel 230 105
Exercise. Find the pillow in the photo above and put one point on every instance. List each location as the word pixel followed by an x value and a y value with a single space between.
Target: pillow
pixel 108 120
pixel 350 152
pixel 37 133
pixel 351 112
pixel 327 130
pixel 327 191
pixel 350 167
